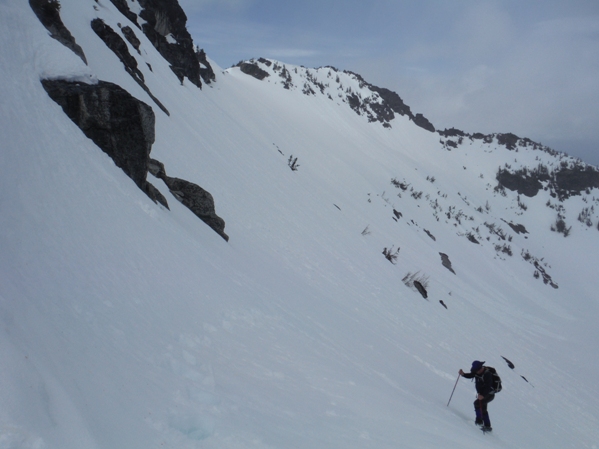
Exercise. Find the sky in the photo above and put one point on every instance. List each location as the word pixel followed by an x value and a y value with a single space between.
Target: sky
pixel 526 67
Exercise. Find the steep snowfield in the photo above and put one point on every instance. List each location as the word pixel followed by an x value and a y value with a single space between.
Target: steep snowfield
pixel 126 325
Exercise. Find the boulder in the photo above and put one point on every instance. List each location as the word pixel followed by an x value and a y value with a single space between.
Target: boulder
pixel 121 125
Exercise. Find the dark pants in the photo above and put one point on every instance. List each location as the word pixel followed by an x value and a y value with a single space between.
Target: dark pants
pixel 480 407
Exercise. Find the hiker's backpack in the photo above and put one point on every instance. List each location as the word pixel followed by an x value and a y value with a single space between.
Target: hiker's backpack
pixel 496 380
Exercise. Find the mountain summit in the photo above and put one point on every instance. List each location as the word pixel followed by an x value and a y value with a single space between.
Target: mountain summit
pixel 271 256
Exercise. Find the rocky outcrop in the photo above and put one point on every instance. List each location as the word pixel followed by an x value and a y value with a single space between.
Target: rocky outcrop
pixel 523 183
pixel 570 179
pixel 377 104
pixel 119 47
pixel 390 104
pixel 192 196
pixel 123 8
pixel 121 125
pixel 165 26
pixel 206 71
pixel 509 140
pixel 48 12
pixel 421 289
pixel 121 50
pixel 423 122
pixel 252 69
pixel 575 179
pixel 452 132
pixel 446 262
pixel 131 37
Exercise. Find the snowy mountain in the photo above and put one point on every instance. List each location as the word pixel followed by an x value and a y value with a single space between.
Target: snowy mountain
pixel 271 256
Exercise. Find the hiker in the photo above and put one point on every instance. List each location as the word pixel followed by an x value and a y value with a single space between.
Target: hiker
pixel 485 389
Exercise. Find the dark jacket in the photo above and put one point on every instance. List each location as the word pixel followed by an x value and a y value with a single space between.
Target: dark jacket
pixel 484 382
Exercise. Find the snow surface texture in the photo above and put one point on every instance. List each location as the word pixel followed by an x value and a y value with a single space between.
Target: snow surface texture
pixel 125 325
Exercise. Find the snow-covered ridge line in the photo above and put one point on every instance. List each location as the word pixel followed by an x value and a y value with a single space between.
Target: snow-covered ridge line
pixel 375 103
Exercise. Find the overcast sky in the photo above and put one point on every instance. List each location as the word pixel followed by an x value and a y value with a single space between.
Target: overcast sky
pixel 530 67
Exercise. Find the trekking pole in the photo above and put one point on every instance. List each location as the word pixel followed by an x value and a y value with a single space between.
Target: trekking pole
pixel 456 384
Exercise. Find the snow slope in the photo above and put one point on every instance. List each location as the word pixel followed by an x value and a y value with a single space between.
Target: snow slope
pixel 126 325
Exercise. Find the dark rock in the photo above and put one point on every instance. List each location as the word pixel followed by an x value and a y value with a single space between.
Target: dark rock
pixel 471 237
pixel 442 303
pixel 199 201
pixel 120 49
pixel 518 228
pixel 509 140
pixel 121 125
pixel 423 122
pixel 430 235
pixel 48 12
pixel 206 72
pixel 421 289
pixel 131 37
pixel 354 102
pixel 546 277
pixel 192 196
pixel 391 101
pixel 453 132
pixel 155 194
pixel 523 183
pixel 253 70
pixel 156 168
pixel 123 8
pixel 390 104
pixel 446 262
pixel 576 179
pixel 166 18
pixel 383 113
pixel 568 180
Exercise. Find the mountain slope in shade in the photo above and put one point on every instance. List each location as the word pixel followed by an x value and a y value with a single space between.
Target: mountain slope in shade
pixel 127 324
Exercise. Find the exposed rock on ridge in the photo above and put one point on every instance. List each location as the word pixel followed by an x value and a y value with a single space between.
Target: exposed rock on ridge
pixel 562 183
pixel 393 102
pixel 206 71
pixel 376 103
pixel 253 70
pixel 164 23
